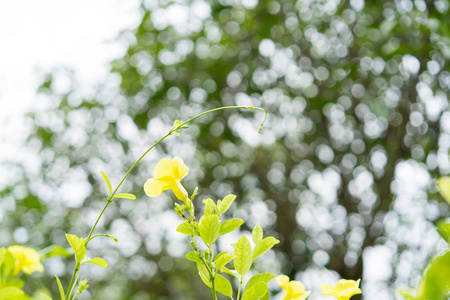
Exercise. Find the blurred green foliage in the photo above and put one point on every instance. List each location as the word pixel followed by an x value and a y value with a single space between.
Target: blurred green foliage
pixel 356 90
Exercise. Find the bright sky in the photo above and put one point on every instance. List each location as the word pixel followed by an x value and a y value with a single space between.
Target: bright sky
pixel 41 35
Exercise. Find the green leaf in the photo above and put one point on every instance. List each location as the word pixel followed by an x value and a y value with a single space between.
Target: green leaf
pixel 443 184
pixel 61 289
pixel 230 225
pixel 41 293
pixel 222 259
pixel 209 229
pixel 257 234
pixel 256 292
pixel 230 272
pixel 264 245
pixel 222 285
pixel 10 292
pixel 78 247
pixel 97 261
pixel 2 255
pixel 436 279
pixel 407 293
pixel 204 274
pixel 263 277
pixel 185 228
pixel 7 266
pixel 194 256
pixel 126 196
pixel 55 250
pixel 106 179
pixel 225 203
pixel 45 297
pixel 444 229
pixel 243 256
pixel 210 207
pixel 15 282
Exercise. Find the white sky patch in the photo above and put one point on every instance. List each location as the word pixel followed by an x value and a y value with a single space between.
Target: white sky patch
pixel 41 35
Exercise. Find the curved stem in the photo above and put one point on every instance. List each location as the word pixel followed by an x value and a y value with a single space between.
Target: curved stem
pixel 97 235
pixel 96 222
pixel 160 140
pixel 228 107
pixel 111 196
pixel 123 179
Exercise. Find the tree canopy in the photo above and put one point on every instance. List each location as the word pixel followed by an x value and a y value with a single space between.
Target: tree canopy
pixel 358 130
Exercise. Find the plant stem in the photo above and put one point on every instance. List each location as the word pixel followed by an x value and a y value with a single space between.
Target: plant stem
pixel 97 235
pixel 75 270
pixel 160 140
pixel 111 196
pixel 73 287
pixel 212 274
pixel 213 289
pixel 228 107
pixel 96 222
pixel 240 286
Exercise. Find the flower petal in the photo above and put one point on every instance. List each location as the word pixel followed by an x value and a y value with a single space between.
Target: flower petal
pixel 345 284
pixel 182 170
pixel 328 290
pixel 349 292
pixel 154 187
pixel 297 288
pixel 303 296
pixel 283 281
pixel 26 260
pixel 33 267
pixel 165 168
pixel 179 190
pixel 348 288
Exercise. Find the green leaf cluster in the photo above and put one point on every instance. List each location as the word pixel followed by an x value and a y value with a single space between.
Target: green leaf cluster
pixel 79 248
pixel 209 228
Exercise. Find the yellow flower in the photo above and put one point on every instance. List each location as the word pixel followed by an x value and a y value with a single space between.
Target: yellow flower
pixel 295 290
pixel 168 174
pixel 27 260
pixel 343 290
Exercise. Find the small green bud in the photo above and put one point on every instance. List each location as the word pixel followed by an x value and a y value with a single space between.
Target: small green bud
pixel 194 194
pixel 82 285
pixel 179 209
pixel 175 125
pixel 113 238
pixel 189 204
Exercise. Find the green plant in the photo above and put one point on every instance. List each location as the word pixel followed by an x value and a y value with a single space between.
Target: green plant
pixel 79 244
pixel 211 266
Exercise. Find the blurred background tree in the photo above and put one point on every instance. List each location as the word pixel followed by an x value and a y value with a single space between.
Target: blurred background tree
pixel 343 172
